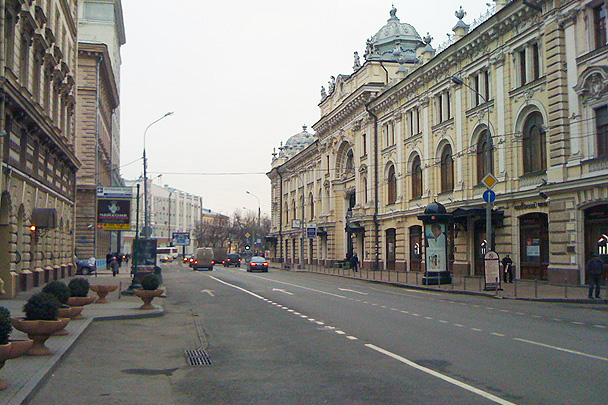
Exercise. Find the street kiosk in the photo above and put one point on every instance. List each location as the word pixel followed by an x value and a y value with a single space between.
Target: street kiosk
pixel 436 220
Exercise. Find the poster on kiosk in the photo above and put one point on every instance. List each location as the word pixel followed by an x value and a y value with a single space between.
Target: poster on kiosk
pixel 436 247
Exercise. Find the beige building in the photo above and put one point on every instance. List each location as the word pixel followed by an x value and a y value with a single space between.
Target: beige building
pixel 37 81
pixel 101 33
pixel 522 94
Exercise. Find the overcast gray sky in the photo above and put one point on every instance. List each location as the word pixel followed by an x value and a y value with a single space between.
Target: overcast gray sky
pixel 241 77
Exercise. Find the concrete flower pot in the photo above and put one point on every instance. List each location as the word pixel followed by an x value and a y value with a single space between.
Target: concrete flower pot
pixel 147 296
pixel 39 331
pixel 102 292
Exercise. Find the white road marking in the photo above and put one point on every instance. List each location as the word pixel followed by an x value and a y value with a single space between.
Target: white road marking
pixel 434 373
pixel 351 338
pixel 339 332
pixel 210 292
pixel 283 291
pixel 577 323
pixel 320 323
pixel 353 291
pixel 458 325
pixel 599 326
pixel 442 321
pixel 415 314
pixel 561 349
pixel 497 334
pixel 428 317
pixel 476 329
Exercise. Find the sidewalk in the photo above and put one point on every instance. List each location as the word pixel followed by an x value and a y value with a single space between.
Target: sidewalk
pixel 531 290
pixel 25 374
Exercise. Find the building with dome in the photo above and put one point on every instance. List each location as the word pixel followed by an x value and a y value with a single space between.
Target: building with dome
pixel 520 98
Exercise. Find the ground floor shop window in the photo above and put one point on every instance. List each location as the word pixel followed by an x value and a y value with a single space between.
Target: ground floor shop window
pixel 596 235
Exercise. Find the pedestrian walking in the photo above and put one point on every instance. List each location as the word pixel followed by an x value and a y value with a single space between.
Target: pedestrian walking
pixel 354 262
pixel 114 266
pixel 108 260
pixel 595 269
pixel 507 267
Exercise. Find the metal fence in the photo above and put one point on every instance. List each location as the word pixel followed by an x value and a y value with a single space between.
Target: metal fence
pixel 527 289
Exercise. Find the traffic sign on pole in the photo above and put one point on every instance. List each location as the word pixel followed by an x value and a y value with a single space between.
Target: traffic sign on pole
pixel 489 196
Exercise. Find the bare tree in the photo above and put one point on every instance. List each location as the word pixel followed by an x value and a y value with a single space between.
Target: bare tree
pixel 213 233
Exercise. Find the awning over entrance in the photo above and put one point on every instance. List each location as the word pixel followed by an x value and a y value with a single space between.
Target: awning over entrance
pixel 353 227
pixel 461 216
pixel 271 239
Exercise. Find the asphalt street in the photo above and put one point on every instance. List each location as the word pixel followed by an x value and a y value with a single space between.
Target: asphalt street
pixel 289 337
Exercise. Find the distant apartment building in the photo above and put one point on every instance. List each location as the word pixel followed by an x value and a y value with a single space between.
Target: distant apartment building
pixel 38 54
pixel 101 33
pixel 171 211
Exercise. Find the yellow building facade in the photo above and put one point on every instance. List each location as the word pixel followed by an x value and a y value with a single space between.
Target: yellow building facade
pixel 522 96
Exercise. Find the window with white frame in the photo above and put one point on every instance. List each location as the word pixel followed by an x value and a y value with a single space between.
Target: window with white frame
pixel 413 121
pixel 600 38
pixel 480 87
pixel 601 127
pixel 528 61
pixel 443 106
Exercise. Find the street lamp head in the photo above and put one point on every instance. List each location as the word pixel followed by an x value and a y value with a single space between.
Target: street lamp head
pixel 457 80
pixel 169 113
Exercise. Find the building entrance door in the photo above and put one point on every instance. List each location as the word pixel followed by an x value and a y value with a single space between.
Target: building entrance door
pixel 390 248
pixel 596 236
pixel 534 244
pixel 480 247
pixel 415 248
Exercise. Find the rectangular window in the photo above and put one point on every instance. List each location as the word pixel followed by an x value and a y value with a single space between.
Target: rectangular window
pixel 601 125
pixel 477 92
pixel 364 144
pixel 9 39
pixel 24 59
pixel 535 62
pixel 486 75
pixel 439 109
pixel 522 67
pixel 448 105
pixel 99 11
pixel 599 25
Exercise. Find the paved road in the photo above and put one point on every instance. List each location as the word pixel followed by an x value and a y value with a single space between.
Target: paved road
pixel 287 337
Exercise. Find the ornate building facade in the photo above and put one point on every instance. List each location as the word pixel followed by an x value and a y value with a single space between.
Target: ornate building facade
pixel 101 33
pixel 523 95
pixel 37 106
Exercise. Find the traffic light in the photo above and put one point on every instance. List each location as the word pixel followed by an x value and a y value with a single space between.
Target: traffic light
pixel 247 247
pixel 34 233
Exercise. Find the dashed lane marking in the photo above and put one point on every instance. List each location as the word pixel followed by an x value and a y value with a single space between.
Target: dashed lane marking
pixel 561 349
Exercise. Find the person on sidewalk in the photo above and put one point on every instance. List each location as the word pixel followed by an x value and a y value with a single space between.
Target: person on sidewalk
pixel 114 266
pixel 354 262
pixel 507 266
pixel 595 269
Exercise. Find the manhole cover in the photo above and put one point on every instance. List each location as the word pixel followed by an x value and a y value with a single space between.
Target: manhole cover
pixel 197 357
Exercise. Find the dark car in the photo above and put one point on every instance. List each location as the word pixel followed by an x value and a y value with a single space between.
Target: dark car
pixel 84 267
pixel 232 260
pixel 257 263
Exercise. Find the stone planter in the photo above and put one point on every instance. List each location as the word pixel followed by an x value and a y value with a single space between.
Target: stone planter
pixel 102 292
pixel 39 331
pixel 80 302
pixel 147 296
pixel 17 348
pixel 5 351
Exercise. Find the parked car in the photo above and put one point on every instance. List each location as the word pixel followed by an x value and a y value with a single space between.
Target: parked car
pixel 165 258
pixel 85 267
pixel 232 259
pixel 203 259
pixel 257 263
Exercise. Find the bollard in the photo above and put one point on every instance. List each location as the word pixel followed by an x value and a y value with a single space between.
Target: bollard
pixel 407 273
pixel 535 288
pixel 416 278
pixel 439 281
pixel 515 288
pixel 566 288
pixel 397 277
pixel 496 286
pixel 453 283
pixel 389 276
pixel 464 282
pixel 479 279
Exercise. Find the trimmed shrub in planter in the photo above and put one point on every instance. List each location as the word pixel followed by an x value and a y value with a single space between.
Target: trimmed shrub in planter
pixel 5 325
pixel 150 282
pixel 79 287
pixel 41 306
pixel 59 289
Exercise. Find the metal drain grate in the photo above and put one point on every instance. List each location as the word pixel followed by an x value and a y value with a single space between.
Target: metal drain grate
pixel 197 357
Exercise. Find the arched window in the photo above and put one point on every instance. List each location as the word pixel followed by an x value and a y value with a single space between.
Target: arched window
pixel 416 178
pixel 447 169
pixel 484 153
pixel 392 185
pixel 311 200
pixel 534 144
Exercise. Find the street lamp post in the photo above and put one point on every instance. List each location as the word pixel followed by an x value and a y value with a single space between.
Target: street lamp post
pixel 146 212
pixel 489 146
pixel 259 211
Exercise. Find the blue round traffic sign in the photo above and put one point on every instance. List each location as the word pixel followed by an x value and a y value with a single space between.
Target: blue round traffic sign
pixel 489 196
